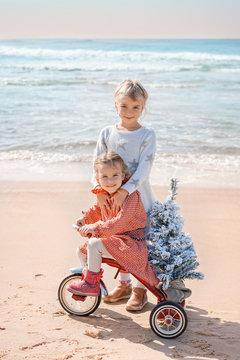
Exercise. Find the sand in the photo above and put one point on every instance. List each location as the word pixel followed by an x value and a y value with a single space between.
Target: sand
pixel 38 247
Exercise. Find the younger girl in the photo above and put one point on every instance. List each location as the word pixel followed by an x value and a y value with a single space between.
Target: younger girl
pixel 136 145
pixel 119 235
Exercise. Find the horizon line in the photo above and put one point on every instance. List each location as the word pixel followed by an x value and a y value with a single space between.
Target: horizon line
pixel 119 38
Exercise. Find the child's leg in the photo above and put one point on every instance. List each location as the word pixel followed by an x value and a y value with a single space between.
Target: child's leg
pixel 96 250
pixel 138 299
pixel 139 285
pixel 122 290
pixel 90 285
pixel 82 258
pixel 124 278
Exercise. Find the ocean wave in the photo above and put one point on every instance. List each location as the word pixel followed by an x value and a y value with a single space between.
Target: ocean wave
pixel 162 85
pixel 226 70
pixel 39 82
pixel 208 162
pixel 97 66
pixel 23 151
pixel 43 156
pixel 78 81
pixel 115 54
pixel 190 169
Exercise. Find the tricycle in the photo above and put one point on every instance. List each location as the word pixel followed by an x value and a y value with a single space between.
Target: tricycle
pixel 167 319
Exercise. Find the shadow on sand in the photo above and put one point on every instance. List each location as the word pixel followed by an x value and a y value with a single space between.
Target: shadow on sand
pixel 205 337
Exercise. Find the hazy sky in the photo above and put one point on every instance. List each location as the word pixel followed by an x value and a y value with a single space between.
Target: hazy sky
pixel 120 19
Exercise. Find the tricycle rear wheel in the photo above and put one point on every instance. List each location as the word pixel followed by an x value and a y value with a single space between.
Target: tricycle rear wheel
pixel 168 320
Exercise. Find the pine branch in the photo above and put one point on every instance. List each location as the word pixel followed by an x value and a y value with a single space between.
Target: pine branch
pixel 174 188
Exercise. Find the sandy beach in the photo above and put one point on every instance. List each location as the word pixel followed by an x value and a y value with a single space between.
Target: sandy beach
pixel 38 248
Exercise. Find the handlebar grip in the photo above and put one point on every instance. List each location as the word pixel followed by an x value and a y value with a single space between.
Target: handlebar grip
pixel 78 228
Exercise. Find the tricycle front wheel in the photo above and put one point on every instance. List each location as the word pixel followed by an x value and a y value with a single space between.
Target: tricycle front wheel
pixel 80 306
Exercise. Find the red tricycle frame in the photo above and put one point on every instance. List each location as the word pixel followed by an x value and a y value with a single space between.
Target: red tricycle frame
pixel 167 319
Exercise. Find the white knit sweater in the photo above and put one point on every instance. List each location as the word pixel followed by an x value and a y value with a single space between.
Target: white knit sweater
pixel 137 148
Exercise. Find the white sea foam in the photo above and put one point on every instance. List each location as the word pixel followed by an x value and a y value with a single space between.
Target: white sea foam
pixel 211 170
pixel 203 162
pixel 44 157
pixel 118 66
pixel 190 169
pixel 18 81
pixel 131 55
pixel 27 59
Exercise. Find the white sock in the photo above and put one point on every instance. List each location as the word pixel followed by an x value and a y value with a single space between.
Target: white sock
pixel 139 285
pixel 125 278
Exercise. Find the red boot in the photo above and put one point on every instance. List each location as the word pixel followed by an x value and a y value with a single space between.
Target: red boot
pixel 89 286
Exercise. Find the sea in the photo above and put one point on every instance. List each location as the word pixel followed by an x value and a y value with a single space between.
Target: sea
pixel 57 94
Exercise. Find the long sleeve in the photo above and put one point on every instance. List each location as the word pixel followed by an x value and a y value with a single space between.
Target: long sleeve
pixel 132 216
pixel 101 147
pixel 143 169
pixel 92 215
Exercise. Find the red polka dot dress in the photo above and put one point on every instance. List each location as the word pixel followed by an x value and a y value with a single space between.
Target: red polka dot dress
pixel 122 234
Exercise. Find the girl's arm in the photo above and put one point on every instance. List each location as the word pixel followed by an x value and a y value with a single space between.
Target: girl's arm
pixel 92 215
pixel 118 199
pixel 101 147
pixel 148 149
pixel 132 216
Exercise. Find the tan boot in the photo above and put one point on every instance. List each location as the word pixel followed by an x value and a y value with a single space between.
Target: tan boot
pixel 137 300
pixel 122 291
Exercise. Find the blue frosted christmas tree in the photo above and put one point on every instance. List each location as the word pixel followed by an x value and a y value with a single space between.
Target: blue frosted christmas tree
pixel 171 251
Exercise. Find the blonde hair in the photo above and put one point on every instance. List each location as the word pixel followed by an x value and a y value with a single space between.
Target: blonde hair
pixel 109 158
pixel 131 88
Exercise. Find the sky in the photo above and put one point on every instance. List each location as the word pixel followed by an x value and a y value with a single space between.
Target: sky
pixel 119 19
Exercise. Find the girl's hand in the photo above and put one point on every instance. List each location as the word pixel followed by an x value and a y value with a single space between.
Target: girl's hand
pixel 103 201
pixel 86 230
pixel 80 222
pixel 118 199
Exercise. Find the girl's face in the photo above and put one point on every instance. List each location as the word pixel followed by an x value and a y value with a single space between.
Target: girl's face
pixel 110 177
pixel 129 110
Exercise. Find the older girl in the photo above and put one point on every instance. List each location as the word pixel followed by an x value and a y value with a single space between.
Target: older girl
pixel 135 143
